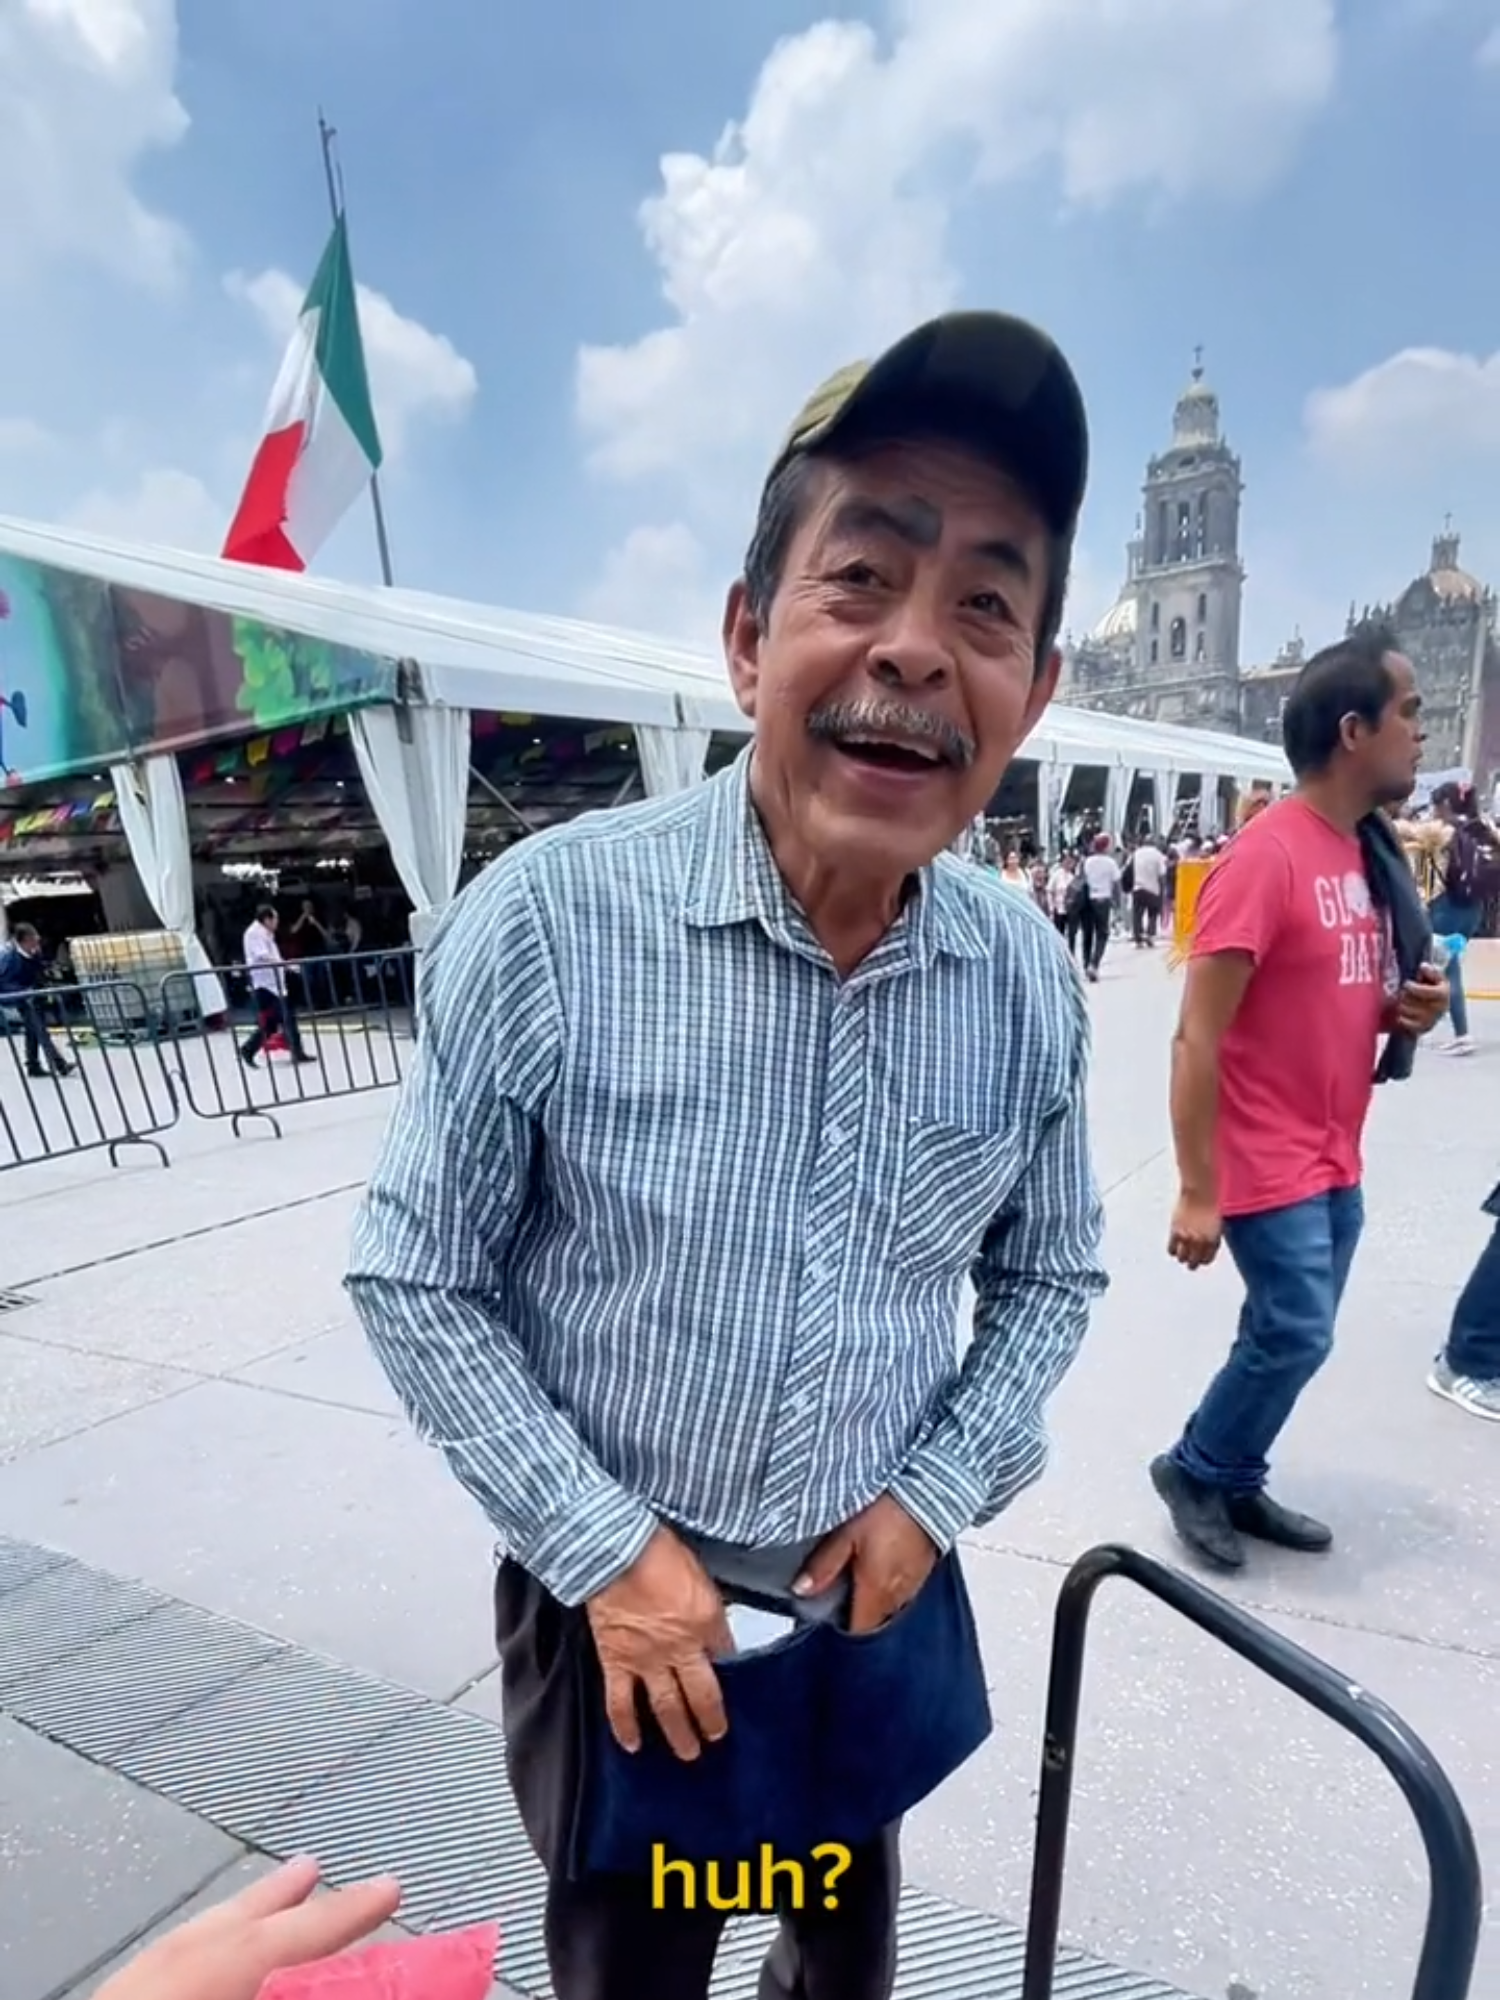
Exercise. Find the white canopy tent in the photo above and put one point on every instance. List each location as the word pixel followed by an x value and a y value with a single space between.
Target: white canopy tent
pixel 465 657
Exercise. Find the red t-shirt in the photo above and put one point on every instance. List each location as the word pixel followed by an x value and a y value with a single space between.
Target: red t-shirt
pixel 1296 1067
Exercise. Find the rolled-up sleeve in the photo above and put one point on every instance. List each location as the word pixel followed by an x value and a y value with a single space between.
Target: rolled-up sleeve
pixel 447 1195
pixel 1038 1274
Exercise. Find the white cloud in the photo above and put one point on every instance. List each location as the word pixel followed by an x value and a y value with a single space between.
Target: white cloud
pixel 171 508
pixel 23 437
pixel 86 91
pixel 658 580
pixel 818 228
pixel 1421 409
pixel 415 374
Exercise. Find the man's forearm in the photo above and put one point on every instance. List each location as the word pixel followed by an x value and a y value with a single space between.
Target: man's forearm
pixel 989 1442
pixel 1195 1113
pixel 467 1389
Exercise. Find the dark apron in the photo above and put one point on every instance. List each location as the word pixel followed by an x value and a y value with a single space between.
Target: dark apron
pixel 832 1736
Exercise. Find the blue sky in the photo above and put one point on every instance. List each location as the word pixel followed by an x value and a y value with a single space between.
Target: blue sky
pixel 583 358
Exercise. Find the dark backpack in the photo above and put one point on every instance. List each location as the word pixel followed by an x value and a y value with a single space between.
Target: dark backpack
pixel 1472 873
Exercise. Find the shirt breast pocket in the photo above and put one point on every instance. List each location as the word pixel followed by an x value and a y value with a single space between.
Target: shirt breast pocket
pixel 955 1179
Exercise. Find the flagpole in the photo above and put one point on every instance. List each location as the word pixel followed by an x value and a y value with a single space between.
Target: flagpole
pixel 334 176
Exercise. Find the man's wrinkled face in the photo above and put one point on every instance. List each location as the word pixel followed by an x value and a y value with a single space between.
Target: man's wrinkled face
pixel 896 676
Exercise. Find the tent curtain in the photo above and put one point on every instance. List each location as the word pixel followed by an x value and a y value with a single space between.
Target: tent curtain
pixel 153 815
pixel 1163 799
pixel 1052 782
pixel 415 767
pixel 1117 784
pixel 672 760
pixel 1208 803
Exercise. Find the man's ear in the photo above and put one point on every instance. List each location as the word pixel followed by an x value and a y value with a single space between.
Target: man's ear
pixel 742 641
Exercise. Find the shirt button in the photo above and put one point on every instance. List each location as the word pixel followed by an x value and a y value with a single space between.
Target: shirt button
pixel 838 1135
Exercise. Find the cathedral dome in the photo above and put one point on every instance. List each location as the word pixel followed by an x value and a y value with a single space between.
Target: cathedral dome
pixel 1452 584
pixel 1118 625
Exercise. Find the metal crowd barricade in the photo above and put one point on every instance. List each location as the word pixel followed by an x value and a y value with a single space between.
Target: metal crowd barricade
pixel 1455 1909
pixel 351 1015
pixel 116 1092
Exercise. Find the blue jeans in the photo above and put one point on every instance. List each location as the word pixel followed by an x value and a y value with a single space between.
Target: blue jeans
pixel 1450 919
pixel 1295 1262
pixel 1474 1337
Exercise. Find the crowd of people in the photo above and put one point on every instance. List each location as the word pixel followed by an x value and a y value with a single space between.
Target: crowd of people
pixel 1097 888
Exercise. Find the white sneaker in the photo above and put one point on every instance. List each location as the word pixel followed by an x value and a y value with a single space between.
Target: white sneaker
pixel 1461 1045
pixel 1466 1392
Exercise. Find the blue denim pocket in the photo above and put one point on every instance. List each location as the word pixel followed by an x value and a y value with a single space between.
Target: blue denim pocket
pixel 831 1737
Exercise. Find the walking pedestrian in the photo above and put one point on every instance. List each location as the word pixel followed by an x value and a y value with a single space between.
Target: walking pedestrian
pixel 274 1012
pixel 1467 1372
pixel 1148 879
pixel 1101 880
pixel 23 973
pixel 718 1101
pixel 1468 870
pixel 1309 942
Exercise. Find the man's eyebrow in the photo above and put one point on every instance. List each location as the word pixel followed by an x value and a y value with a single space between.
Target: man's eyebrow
pixel 920 523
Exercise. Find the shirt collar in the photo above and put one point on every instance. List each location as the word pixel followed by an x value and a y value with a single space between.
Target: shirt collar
pixel 733 879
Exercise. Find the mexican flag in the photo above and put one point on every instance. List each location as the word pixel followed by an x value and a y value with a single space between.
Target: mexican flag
pixel 321 447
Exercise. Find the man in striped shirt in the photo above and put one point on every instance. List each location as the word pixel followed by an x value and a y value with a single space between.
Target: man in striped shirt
pixel 718 1101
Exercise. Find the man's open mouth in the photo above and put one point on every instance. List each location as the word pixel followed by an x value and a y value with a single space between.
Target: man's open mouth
pixel 892 753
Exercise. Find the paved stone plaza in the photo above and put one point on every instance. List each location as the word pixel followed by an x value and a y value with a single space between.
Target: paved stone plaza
pixel 273 1629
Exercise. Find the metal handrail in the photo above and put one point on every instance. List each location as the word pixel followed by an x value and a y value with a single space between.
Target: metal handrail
pixel 1455 1910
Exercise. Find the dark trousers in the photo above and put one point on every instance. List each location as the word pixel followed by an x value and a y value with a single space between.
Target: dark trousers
pixel 1094 932
pixel 1295 1263
pixel 272 1011
pixel 41 1056
pixel 605 1941
pixel 1474 1337
pixel 1145 915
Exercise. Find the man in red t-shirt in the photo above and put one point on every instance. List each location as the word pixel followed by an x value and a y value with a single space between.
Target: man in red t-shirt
pixel 1291 982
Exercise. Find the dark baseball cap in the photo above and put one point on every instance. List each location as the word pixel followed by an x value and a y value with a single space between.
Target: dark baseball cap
pixel 980 375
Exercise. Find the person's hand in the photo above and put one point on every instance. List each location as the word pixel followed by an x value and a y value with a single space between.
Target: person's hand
pixel 1196 1233
pixel 888 1556
pixel 232 1950
pixel 1422 1002
pixel 659 1627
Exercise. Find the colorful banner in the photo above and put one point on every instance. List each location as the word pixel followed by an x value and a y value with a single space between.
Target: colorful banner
pixel 93 673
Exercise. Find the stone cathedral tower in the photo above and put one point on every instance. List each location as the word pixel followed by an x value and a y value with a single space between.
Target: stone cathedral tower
pixel 1190 581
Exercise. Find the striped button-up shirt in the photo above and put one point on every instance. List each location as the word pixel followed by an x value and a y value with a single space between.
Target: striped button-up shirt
pixel 672 1222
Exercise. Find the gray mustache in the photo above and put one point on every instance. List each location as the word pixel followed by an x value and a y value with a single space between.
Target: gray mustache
pixel 878 718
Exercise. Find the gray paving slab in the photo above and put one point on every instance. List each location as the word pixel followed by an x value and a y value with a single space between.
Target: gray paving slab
pixel 74 1214
pixel 1222 1830
pixel 239 1875
pixel 88 1860
pixel 328 1526
pixel 336 1367
pixel 212 1303
pixel 48 1393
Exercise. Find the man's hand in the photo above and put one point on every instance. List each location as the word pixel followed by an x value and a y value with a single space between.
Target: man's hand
pixel 1422 1002
pixel 1196 1233
pixel 889 1558
pixel 231 1951
pixel 659 1627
